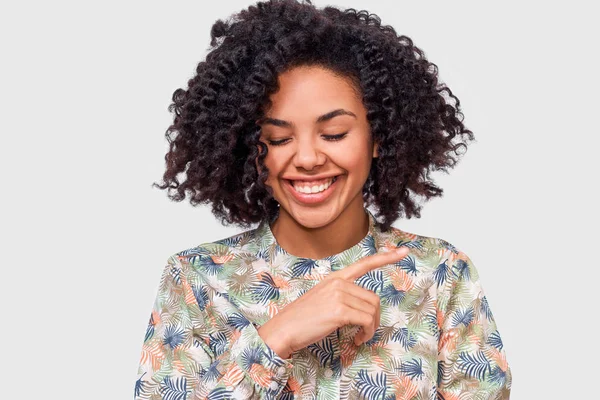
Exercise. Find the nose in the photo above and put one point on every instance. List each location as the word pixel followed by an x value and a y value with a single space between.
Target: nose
pixel 308 155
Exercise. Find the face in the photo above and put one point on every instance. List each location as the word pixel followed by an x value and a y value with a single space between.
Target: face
pixel 316 130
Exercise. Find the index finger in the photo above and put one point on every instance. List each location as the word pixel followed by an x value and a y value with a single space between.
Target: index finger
pixel 369 263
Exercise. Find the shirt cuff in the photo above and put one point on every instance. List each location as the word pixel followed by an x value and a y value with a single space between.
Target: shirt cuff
pixel 256 359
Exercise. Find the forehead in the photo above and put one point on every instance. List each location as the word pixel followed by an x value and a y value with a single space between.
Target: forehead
pixel 307 92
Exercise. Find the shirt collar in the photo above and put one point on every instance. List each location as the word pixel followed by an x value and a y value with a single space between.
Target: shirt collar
pixel 368 245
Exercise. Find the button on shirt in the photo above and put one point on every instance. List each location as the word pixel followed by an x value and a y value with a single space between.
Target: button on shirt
pixel 437 337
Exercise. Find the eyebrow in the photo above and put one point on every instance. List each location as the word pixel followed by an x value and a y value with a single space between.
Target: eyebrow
pixel 322 118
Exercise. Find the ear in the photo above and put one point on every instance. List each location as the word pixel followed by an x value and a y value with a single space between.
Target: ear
pixel 375 150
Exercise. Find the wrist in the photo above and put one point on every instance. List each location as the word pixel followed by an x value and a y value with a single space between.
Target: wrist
pixel 276 339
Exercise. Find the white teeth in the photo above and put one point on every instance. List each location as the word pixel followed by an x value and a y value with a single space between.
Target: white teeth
pixel 312 189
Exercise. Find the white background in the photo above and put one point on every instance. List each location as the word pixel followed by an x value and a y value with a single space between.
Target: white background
pixel 85 88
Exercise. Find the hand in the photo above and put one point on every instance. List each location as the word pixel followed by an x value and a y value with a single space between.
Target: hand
pixel 332 303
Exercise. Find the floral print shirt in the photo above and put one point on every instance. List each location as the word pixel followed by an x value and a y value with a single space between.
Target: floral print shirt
pixel 437 337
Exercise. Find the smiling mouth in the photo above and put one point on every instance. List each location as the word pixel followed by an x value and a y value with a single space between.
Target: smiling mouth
pixel 314 189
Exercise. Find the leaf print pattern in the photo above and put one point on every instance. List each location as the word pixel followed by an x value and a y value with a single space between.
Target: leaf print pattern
pixel 437 338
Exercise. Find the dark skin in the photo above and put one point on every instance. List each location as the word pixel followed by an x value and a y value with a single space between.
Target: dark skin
pixel 307 149
pixel 312 107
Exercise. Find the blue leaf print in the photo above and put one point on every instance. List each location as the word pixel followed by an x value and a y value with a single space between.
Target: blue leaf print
pixel 210 266
pixel 201 296
pixel 391 295
pixel 212 373
pixel 173 336
pixel 272 357
pixel 441 273
pixel 286 394
pixel 303 266
pixel 238 321
pixel 175 273
pixel 440 372
pixel 411 244
pixel 264 254
pixel 336 366
pixel 174 389
pixel 485 308
pixel 372 280
pixel 464 317
pixel 220 393
pixel 265 289
pixel 369 245
pixel 406 338
pixel 432 323
pixel 413 368
pixel 369 387
pixel 448 246
pixel 376 338
pixel 497 376
pixel 251 356
pixel 139 386
pixel 194 255
pixel 150 328
pixel 408 264
pixel 474 365
pixel 495 340
pixel 323 350
pixel 217 343
pixel 232 241
pixel 463 270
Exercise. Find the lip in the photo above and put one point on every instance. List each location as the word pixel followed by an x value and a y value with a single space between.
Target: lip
pixel 311 198
pixel 309 178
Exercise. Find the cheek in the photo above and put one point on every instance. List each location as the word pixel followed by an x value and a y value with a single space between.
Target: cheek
pixel 348 158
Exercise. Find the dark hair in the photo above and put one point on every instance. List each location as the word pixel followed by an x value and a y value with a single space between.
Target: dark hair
pixel 215 136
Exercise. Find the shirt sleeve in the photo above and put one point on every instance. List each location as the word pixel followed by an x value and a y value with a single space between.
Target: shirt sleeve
pixel 471 356
pixel 193 350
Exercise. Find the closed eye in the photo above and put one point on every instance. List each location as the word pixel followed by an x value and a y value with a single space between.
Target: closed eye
pixel 330 138
pixel 333 138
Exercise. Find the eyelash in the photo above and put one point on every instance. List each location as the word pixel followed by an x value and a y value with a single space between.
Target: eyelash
pixel 331 138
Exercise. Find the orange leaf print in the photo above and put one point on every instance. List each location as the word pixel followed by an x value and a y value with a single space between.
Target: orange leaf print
pixel 235 334
pixel 294 385
pixel 440 316
pixel 498 357
pixel 273 308
pixel 404 388
pixel 389 245
pixel 449 340
pixel 189 294
pixel 376 359
pixel 221 259
pixel 233 375
pixel 401 280
pixel 448 395
pixel 260 375
pixel 280 282
pixel 154 354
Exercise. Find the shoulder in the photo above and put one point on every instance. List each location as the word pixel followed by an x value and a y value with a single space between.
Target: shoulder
pixel 419 242
pixel 230 244
pixel 215 259
pixel 439 254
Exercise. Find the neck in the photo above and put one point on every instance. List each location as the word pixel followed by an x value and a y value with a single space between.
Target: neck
pixel 348 229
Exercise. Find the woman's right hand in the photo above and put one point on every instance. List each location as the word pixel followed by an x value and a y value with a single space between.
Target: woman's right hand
pixel 332 303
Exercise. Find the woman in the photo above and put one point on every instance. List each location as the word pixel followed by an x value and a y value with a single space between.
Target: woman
pixel 299 119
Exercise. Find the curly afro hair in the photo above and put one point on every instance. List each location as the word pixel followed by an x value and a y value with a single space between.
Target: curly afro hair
pixel 214 139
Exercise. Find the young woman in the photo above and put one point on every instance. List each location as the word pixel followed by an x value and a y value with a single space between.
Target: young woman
pixel 299 120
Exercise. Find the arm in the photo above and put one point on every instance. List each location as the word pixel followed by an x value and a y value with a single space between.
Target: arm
pixel 192 350
pixel 471 356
